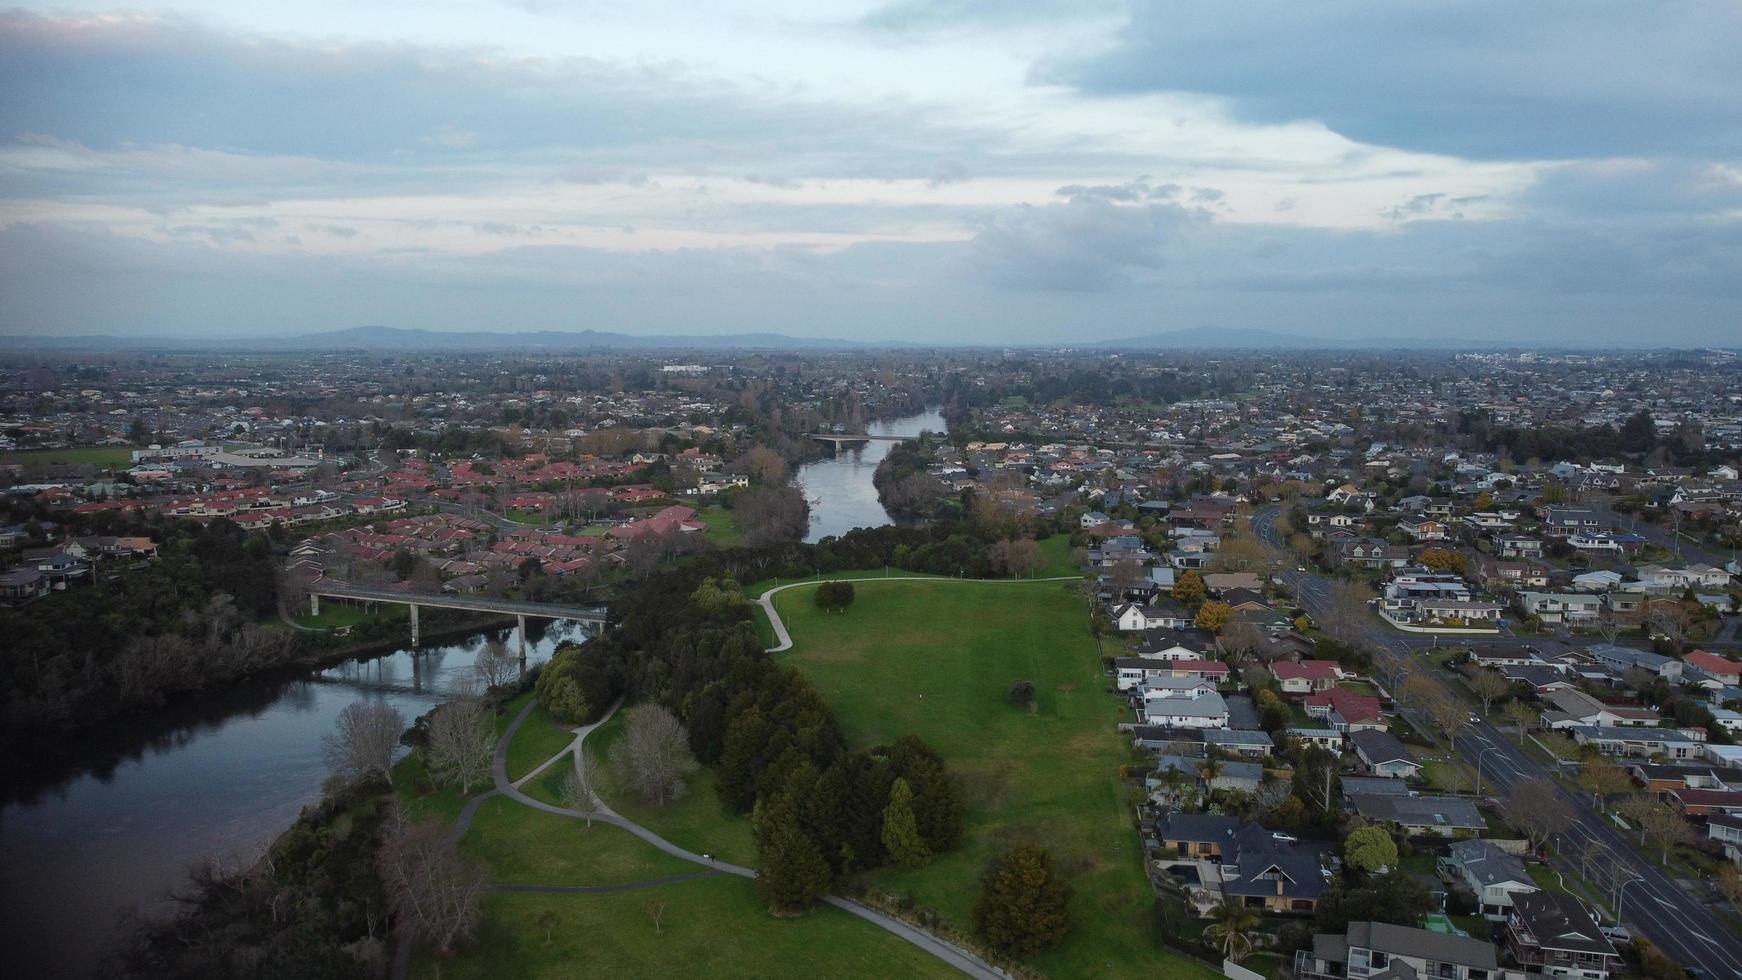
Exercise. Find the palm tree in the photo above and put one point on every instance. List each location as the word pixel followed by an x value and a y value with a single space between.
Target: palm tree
pixel 1231 932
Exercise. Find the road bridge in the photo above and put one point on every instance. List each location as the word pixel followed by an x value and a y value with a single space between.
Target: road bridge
pixel 839 438
pixel 518 608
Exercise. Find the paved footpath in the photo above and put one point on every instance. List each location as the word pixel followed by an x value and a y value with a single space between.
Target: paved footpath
pixel 950 953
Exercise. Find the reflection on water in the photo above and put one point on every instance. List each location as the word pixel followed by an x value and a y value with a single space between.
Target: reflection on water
pixel 839 488
pixel 215 779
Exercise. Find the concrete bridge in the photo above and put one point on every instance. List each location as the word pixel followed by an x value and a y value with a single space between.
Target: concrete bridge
pixel 519 609
pixel 838 438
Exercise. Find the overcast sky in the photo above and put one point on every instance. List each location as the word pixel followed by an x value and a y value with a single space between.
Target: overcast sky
pixel 1568 171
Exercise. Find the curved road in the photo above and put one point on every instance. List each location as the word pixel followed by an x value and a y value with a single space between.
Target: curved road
pixel 784 639
pixel 1668 912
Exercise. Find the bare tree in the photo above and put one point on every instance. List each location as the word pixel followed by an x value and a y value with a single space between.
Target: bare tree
pixel 1536 807
pixel 1667 829
pixel 1604 778
pixel 1636 809
pixel 1128 574
pixel 578 791
pixel 361 743
pixel 1345 617
pixel 495 666
pixel 653 756
pixel 462 741
pixel 1416 690
pixel 655 909
pixel 1241 638
pixel 1489 686
pixel 432 888
pixel 1448 714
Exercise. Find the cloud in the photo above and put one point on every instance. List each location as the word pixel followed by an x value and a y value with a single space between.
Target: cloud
pixel 1086 243
pixel 1489 79
pixel 452 137
pixel 948 171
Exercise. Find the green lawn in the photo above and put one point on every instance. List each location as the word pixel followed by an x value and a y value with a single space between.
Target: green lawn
pixel 531 847
pixel 1449 776
pixel 937 661
pixel 723 530
pixel 714 927
pixel 119 457
pixel 539 738
pixel 337 615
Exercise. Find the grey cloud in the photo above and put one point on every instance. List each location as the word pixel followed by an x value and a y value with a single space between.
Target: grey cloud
pixel 1549 79
pixel 1084 244
pixel 948 171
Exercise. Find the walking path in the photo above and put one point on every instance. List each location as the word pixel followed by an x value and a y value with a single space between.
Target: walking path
pixel 944 950
pixel 783 639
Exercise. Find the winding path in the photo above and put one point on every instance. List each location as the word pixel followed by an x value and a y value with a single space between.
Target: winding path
pixel 783 639
pixel 950 953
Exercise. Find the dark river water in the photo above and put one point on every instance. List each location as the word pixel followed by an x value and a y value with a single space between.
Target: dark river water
pixel 217 779
pixel 839 489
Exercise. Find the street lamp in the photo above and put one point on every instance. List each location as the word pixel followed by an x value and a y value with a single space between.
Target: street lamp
pixel 1479 757
pixel 1621 897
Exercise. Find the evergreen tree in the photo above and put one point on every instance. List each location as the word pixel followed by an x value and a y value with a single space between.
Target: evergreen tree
pixel 901 837
pixel 1023 908
pixel 794 875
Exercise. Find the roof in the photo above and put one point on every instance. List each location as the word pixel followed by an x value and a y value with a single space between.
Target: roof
pixel 1380 747
pixel 1560 922
pixel 1711 663
pixel 1422 944
pixel 1302 877
pixel 1202 827
pixel 1420 811
pixel 1487 864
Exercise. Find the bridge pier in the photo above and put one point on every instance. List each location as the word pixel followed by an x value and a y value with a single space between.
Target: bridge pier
pixel 413 624
pixel 522 619
pixel 314 604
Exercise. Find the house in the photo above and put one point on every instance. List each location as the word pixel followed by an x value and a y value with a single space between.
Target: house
pixel 1204 709
pixel 1252 744
pixel 1492 875
pixel 1133 672
pixel 1371 553
pixel 1382 950
pixel 1131 617
pixel 1424 528
pixel 1345 710
pixel 1307 676
pixel 1383 754
pixel 1200 836
pixel 22 585
pixel 1561 522
pixel 1274 878
pixel 1520 546
pixel 1422 816
pixel 1328 739
pixel 1561 607
pixel 1704 802
pixel 1640 742
pixel 1622 659
pixel 1657 777
pixel 1721 669
pixel 1574 707
pixel 1553 934
pixel 1163 644
pixel 1726 829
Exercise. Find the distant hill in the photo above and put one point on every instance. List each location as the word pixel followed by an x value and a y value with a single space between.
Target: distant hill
pixel 1211 338
pixel 401 338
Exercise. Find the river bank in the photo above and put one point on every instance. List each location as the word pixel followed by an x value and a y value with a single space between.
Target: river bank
pixel 214 777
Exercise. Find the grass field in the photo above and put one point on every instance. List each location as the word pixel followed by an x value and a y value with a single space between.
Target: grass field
pixel 723 530
pixel 937 661
pixel 697 822
pixel 539 738
pixel 714 927
pixel 337 615
pixel 118 457
pixel 524 846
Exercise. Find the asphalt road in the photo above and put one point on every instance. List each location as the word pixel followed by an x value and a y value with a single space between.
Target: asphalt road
pixel 1673 916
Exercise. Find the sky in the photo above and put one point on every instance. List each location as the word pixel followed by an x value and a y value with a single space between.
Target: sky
pixel 1566 172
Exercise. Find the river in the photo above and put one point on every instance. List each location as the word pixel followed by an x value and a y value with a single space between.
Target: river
pixel 839 488
pixel 214 779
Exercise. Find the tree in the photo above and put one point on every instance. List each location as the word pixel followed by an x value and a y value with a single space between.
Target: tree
pixel 1021 556
pixel 1239 639
pixel 771 515
pixel 1666 829
pixel 1730 884
pixel 1231 927
pixel 432 888
pixel 462 741
pixel 1443 560
pixel 1023 908
pixel 548 920
pixel 1345 616
pixel 1489 686
pixel 362 741
pixel 1128 574
pixel 495 667
pixel 1021 694
pixel 653 756
pixel 1604 778
pixel 901 828
pixel 1416 690
pixel 834 596
pixel 1536 807
pixel 577 791
pixel 1522 716
pixel 1448 714
pixel 1636 809
pixel 764 465
pixel 1370 848
pixel 1213 616
pixel 793 874
pixel 1189 590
